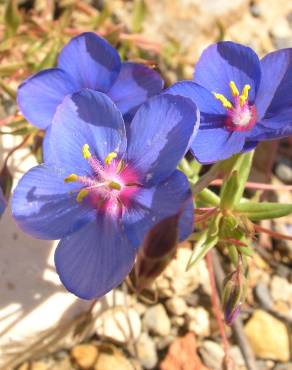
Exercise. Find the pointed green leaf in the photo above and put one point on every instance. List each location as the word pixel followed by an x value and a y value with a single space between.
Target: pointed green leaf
pixel 202 247
pixel 232 190
pixel 263 211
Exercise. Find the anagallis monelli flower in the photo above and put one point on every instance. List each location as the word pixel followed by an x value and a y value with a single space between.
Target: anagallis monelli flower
pixel 87 61
pixel 242 100
pixel 104 189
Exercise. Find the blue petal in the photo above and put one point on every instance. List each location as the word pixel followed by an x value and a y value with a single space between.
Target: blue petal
pixel 274 93
pixel 3 203
pixel 95 259
pixel 44 206
pixel 39 96
pixel 227 61
pixel 91 61
pixel 212 112
pixel 134 85
pixel 88 117
pixel 160 134
pixel 186 219
pixel 276 127
pixel 217 144
pixel 154 204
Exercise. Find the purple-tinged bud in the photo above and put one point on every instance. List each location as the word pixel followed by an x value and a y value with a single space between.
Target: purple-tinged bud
pixel 233 295
pixel 158 249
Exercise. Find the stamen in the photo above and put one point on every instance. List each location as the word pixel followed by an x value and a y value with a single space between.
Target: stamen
pixel 85 151
pixel 233 88
pixel 71 178
pixel 81 195
pixel 225 102
pixel 108 159
pixel 244 94
pixel 114 185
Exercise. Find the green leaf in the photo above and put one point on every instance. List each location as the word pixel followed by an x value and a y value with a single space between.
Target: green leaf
pixel 232 190
pixel 202 247
pixel 11 18
pixel 263 211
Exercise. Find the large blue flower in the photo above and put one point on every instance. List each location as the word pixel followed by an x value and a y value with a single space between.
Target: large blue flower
pixel 104 189
pixel 242 100
pixel 87 61
pixel 3 202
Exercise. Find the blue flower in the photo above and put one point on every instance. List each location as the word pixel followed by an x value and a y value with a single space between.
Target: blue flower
pixel 87 61
pixel 3 202
pixel 242 100
pixel 105 188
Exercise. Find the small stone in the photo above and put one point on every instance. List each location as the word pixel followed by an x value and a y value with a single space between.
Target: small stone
pixel 268 336
pixel 182 354
pixel 146 351
pixel 177 321
pixel 63 364
pixel 237 356
pixel 176 281
pixel 164 342
pixel 287 366
pixel 263 295
pixel 119 324
pixel 110 358
pixel 38 365
pixel 84 355
pixel 176 306
pixel 281 290
pixel 255 10
pixel 157 321
pixel 212 354
pixel 199 321
pixel 284 169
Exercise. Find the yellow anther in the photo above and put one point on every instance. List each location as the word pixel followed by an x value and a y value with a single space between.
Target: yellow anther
pixel 244 94
pixel 71 178
pixel 110 157
pixel 225 102
pixel 85 151
pixel 81 195
pixel 114 185
pixel 233 88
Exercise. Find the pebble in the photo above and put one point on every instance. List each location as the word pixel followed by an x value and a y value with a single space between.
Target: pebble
pixel 146 351
pixel 176 306
pixel 282 35
pixel 237 356
pixel 284 169
pixel 37 365
pixel 263 295
pixel 212 354
pixel 184 282
pixel 199 321
pixel 268 336
pixel 281 290
pixel 110 358
pixel 177 321
pixel 119 325
pixel 156 320
pixel 84 355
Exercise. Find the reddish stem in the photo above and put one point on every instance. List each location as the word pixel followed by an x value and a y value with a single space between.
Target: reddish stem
pixel 257 185
pixel 216 304
pixel 272 233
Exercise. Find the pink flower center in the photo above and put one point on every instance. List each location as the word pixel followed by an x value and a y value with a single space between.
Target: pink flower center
pixel 241 115
pixel 112 185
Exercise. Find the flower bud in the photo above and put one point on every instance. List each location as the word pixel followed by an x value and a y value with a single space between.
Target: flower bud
pixel 158 249
pixel 233 295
